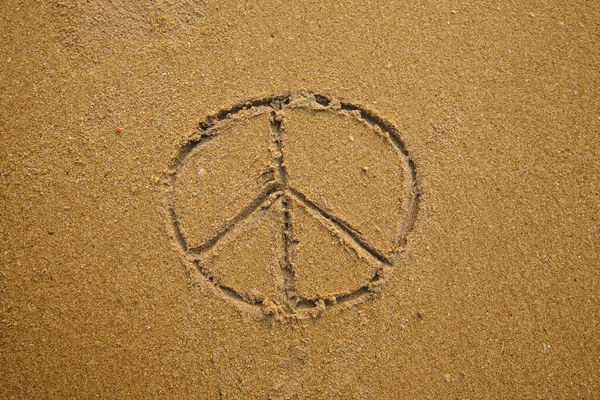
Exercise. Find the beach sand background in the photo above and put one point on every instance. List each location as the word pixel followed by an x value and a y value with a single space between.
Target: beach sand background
pixel 495 295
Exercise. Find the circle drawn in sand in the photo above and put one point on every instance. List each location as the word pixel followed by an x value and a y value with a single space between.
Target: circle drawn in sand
pixel 293 203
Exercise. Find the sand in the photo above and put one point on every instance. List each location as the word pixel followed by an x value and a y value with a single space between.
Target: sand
pixel 277 200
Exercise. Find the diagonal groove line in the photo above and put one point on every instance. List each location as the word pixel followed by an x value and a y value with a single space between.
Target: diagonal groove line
pixel 262 199
pixel 341 225
pixel 226 290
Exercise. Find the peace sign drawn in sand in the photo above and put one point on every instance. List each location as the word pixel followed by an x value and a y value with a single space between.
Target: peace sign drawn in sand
pixel 293 203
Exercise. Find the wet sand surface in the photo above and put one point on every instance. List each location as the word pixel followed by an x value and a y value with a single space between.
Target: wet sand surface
pixel 277 200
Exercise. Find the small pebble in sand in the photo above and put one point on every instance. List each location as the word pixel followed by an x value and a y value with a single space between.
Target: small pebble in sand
pixel 201 173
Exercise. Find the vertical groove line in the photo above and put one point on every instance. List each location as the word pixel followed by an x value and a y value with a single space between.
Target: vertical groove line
pixel 287 268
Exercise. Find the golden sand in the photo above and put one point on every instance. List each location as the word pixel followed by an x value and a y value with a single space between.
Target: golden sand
pixel 299 200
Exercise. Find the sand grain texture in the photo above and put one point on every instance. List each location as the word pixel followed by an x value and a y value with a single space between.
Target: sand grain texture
pixel 494 289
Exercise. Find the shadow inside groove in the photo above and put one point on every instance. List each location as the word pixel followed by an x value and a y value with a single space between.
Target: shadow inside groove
pixel 341 225
pixel 280 188
pixel 262 200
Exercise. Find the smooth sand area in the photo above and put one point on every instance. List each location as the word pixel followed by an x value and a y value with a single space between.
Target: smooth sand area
pixel 299 200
